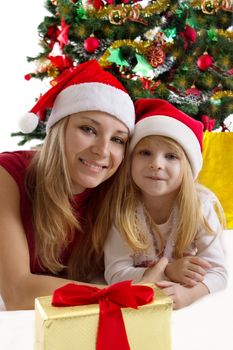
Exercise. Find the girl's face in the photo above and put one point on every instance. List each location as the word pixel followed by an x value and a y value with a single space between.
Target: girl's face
pixel 157 168
pixel 94 145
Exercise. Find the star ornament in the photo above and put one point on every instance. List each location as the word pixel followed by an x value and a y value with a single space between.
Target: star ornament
pixel 116 57
pixel 63 35
pixel 170 35
pixel 143 68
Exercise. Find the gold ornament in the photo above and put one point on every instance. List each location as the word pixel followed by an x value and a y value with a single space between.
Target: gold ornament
pixel 209 6
pixel 154 7
pixel 120 14
pixel 116 16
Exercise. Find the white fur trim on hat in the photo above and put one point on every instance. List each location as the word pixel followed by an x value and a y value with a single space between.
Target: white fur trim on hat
pixel 176 130
pixel 93 97
pixel 28 122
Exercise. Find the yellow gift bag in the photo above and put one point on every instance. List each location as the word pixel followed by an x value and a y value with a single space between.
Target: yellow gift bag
pixel 217 171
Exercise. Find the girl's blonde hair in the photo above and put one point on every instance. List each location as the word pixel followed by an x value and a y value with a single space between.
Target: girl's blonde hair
pixel 191 217
pixel 48 185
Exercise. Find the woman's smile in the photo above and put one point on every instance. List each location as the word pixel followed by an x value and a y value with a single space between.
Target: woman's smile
pixel 93 166
pixel 97 140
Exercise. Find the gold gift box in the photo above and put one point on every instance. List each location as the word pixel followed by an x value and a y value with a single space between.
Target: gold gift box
pixel 75 327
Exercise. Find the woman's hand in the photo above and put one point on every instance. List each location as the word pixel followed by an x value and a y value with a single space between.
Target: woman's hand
pixel 182 296
pixel 189 270
pixel 156 272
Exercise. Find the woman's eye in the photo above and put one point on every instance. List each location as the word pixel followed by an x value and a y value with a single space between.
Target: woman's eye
pixel 87 129
pixel 119 140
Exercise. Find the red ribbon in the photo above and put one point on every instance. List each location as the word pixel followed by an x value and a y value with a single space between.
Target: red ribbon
pixel 111 330
pixel 208 122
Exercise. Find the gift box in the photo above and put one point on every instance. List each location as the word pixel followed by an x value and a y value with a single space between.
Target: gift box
pixel 217 170
pixel 75 327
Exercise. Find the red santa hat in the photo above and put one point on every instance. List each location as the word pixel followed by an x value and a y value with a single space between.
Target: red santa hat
pixel 86 87
pixel 159 117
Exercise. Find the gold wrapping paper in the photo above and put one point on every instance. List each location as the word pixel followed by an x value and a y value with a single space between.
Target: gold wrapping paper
pixel 217 170
pixel 71 328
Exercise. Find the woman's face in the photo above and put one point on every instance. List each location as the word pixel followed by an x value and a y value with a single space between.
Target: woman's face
pixel 94 146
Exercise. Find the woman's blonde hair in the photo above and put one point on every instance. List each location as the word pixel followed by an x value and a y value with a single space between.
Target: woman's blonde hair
pixel 48 185
pixel 191 217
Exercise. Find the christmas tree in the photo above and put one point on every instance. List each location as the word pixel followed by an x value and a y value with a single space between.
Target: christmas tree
pixel 181 51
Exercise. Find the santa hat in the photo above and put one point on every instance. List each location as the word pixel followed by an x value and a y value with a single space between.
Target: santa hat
pixel 86 87
pixel 159 117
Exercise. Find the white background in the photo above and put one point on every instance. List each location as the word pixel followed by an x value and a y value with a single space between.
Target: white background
pixel 19 39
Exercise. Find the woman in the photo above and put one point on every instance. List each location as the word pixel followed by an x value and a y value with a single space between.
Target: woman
pixel 54 195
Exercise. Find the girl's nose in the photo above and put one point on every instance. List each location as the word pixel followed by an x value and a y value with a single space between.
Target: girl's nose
pixel 156 163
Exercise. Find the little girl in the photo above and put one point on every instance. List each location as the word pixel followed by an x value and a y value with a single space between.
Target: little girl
pixel 167 226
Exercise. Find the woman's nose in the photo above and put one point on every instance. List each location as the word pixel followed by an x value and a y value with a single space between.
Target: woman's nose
pixel 101 147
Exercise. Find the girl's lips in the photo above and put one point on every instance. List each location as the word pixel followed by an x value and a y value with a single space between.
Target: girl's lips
pixel 155 178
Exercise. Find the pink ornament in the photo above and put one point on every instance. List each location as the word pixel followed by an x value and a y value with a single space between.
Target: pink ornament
pixel 204 62
pixel 91 44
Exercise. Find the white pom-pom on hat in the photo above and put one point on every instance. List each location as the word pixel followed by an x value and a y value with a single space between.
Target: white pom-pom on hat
pixel 28 122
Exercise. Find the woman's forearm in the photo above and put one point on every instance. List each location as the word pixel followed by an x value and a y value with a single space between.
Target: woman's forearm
pixel 22 295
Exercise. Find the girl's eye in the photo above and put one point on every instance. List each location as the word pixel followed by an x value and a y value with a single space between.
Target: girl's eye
pixel 88 129
pixel 145 152
pixel 118 140
pixel 172 156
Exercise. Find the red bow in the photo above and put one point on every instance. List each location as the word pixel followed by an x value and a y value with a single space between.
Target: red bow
pixel 208 122
pixel 111 330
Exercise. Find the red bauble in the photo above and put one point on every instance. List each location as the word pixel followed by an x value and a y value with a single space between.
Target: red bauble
pixel 190 34
pixel 193 91
pixel 27 76
pixel 204 62
pixel 97 4
pixel 91 44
